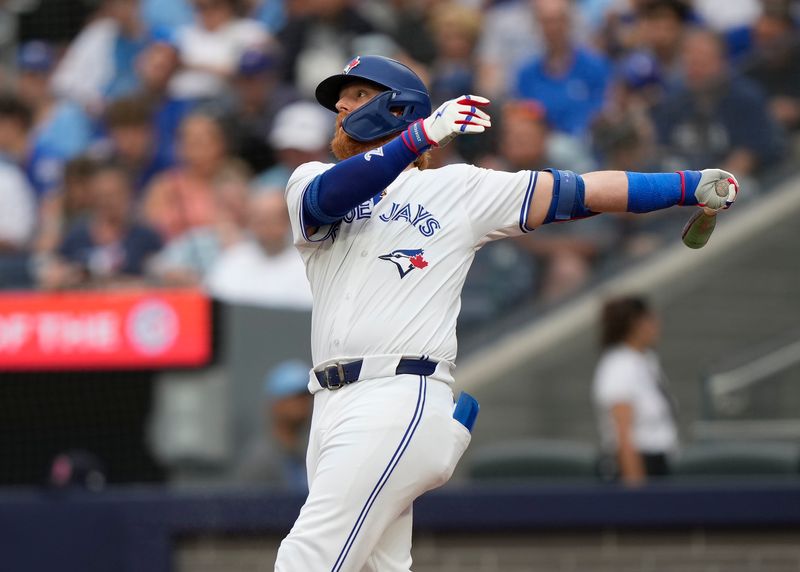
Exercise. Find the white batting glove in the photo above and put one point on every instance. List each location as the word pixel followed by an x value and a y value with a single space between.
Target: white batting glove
pixel 716 190
pixel 458 116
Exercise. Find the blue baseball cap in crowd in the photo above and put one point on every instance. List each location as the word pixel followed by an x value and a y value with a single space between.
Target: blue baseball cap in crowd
pixel 36 56
pixel 164 35
pixel 639 70
pixel 255 61
pixel 286 379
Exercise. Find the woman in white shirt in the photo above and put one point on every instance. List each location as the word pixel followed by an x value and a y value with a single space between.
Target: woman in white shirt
pixel 635 412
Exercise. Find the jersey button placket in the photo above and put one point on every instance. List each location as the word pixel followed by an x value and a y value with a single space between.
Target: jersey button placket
pixel 347 312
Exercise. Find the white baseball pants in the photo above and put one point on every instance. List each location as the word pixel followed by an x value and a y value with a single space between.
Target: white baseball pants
pixel 375 446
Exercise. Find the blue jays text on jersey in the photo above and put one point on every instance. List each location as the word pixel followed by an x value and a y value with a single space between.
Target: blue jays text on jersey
pixel 414 214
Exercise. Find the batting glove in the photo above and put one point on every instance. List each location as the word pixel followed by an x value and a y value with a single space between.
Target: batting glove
pixel 457 117
pixel 716 190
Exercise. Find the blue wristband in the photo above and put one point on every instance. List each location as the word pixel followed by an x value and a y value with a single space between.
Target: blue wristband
pixel 415 138
pixel 689 182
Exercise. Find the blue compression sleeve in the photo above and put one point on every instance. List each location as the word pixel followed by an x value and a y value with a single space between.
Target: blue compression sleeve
pixel 653 191
pixel 343 187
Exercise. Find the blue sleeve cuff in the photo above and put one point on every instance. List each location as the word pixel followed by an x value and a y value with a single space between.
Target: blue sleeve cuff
pixel 533 177
pixel 311 210
pixel 689 182
pixel 307 220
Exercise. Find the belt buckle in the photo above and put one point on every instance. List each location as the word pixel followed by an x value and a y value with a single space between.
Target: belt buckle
pixel 339 368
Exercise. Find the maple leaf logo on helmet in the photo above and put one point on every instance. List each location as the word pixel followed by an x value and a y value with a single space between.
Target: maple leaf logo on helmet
pixel 353 63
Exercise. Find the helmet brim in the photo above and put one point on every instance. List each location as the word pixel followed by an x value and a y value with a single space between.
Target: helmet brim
pixel 329 89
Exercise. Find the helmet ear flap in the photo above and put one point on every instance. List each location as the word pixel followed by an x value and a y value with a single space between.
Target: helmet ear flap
pixel 415 104
pixel 374 119
pixel 387 113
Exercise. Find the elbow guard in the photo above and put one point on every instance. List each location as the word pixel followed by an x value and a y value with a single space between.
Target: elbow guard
pixel 568 197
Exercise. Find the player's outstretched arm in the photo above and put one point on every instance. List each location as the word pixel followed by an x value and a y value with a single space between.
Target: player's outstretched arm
pixel 563 195
pixel 341 188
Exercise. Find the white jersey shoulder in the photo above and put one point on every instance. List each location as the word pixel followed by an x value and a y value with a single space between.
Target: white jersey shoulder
pixel 495 203
pixel 306 172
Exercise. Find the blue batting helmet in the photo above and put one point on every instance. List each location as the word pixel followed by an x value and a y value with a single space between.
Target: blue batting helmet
pixel 405 95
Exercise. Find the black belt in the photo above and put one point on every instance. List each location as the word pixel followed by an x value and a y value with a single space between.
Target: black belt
pixel 338 375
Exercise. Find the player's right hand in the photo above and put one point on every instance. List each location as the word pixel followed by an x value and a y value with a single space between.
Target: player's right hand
pixel 459 116
pixel 717 189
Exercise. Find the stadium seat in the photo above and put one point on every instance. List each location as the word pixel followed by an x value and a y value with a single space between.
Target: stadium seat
pixel 737 459
pixel 533 459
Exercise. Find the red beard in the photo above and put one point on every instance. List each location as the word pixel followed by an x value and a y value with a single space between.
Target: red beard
pixel 343 146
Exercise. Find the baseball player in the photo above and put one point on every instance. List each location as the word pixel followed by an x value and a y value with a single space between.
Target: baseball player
pixel 387 245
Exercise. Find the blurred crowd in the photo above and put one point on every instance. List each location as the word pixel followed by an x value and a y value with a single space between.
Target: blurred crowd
pixel 155 145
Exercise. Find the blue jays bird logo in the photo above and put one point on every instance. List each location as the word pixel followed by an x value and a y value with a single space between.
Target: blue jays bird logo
pixel 406 260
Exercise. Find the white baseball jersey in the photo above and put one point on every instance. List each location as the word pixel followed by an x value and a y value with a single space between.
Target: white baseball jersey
pixel 386 282
pixel 387 279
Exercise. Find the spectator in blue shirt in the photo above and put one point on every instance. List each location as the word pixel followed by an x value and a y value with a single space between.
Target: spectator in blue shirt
pixel 716 119
pixel 570 81
pixel 156 66
pixel 62 210
pixel 107 248
pixel 61 130
pixel 132 140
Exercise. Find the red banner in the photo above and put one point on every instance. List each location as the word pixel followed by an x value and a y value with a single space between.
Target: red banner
pixel 139 329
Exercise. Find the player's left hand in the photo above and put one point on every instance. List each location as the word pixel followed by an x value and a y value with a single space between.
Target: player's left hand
pixel 459 116
pixel 716 190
